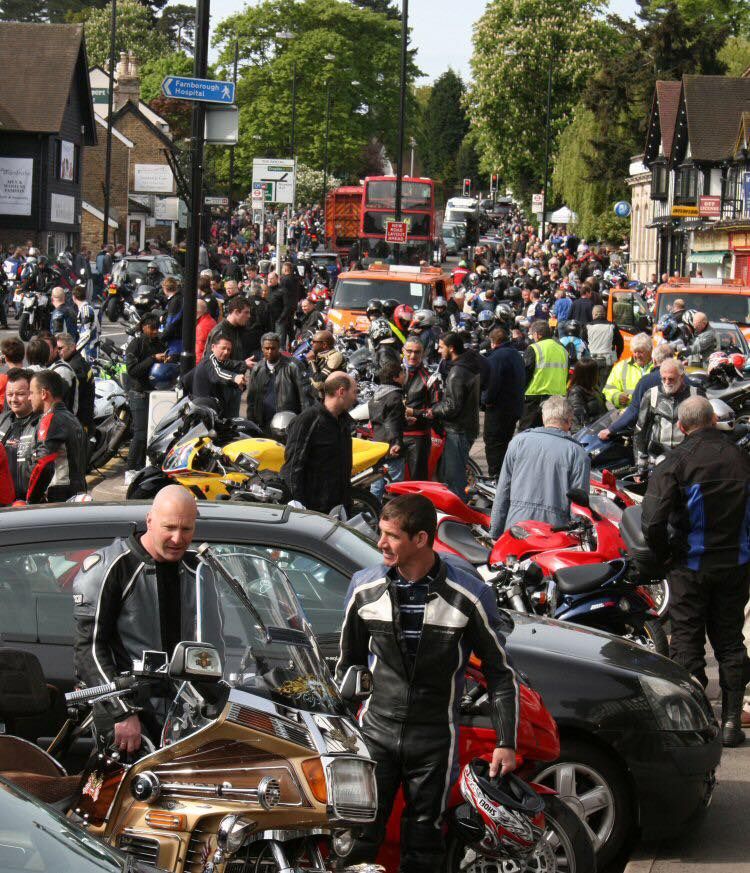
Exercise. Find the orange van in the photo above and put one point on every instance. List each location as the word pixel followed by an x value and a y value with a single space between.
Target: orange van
pixel 721 299
pixel 629 311
pixel 414 286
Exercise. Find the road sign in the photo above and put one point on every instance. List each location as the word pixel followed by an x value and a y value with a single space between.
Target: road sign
pixel 395 231
pixel 279 174
pixel 202 90
pixel 537 202
pixel 263 192
pixel 684 212
pixel 709 207
pixel 622 209
pixel 216 201
pixel 222 125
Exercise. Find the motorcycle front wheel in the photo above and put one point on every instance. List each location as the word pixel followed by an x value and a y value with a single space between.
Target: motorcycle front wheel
pixel 25 330
pixel 113 309
pixel 565 846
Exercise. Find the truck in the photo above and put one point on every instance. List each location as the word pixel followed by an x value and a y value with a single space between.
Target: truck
pixel 343 209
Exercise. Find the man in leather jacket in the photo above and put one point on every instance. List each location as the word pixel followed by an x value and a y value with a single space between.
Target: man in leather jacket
pixel 408 618
pixel 277 384
pixel 324 359
pixel 18 428
pixel 139 593
pixel 705 342
pixel 58 458
pixel 420 394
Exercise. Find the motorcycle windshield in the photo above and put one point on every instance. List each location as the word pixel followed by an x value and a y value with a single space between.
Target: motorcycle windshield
pixel 591 432
pixel 267 644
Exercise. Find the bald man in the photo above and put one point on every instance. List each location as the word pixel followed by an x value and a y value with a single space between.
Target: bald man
pixel 141 592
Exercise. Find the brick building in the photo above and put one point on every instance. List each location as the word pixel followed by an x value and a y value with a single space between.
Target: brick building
pixel 46 119
pixel 92 217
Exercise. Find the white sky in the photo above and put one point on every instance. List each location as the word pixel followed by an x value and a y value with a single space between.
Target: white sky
pixel 441 30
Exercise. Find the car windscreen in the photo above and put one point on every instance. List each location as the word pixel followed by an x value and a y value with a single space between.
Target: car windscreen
pixel 325 260
pixel 137 270
pixel 718 307
pixel 354 293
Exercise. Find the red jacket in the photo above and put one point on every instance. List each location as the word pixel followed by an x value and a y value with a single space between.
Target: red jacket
pixel 203 328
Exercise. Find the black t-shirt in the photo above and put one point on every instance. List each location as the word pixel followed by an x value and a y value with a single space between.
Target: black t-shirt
pixel 170 617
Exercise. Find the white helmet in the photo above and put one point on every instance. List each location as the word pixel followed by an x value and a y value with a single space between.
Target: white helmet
pixel 725 417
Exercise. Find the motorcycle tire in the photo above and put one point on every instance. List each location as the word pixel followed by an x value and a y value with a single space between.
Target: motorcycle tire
pixel 365 502
pixel 25 330
pixel 651 636
pixel 565 845
pixel 146 488
pixel 113 309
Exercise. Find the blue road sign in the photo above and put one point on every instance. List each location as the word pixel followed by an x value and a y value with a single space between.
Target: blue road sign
pixel 203 90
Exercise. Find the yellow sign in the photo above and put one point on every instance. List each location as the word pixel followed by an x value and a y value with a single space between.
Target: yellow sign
pixel 684 212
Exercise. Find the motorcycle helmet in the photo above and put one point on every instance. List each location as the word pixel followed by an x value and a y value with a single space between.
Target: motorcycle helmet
pixel 497 273
pixel 473 278
pixel 725 416
pixel 152 270
pixel 374 308
pixel 423 319
pixel 280 425
pixel 234 259
pixel 688 319
pixel 486 319
pixel 504 314
pixel 380 330
pixel 462 263
pixel 389 307
pixel 64 260
pixel 669 328
pixel 440 305
pixel 511 812
pixel 402 317
pixel 569 328
pixel 33 252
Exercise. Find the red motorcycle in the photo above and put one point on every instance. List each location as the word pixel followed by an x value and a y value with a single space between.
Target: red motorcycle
pixel 565 845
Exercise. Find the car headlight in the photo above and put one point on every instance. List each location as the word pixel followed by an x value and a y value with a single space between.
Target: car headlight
pixel 675 707
pixel 353 794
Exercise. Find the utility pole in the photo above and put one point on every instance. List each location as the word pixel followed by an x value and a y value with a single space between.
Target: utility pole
pixel 546 145
pixel 325 153
pixel 190 290
pixel 401 119
pixel 231 150
pixel 110 100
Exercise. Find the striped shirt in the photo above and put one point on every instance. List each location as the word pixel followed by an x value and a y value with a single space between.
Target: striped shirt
pixel 412 598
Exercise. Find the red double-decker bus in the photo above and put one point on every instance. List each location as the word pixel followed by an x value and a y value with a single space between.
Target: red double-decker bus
pixel 417 210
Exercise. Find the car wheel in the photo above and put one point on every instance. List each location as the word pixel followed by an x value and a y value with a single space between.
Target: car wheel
pixel 595 788
pixel 566 845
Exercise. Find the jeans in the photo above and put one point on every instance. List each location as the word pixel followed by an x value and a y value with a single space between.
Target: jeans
pixel 138 401
pixel 455 458
pixel 395 474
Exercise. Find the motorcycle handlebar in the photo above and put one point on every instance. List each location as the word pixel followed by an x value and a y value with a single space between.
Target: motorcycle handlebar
pixel 85 694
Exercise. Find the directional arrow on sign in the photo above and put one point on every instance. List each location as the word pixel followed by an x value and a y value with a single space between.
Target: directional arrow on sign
pixel 202 90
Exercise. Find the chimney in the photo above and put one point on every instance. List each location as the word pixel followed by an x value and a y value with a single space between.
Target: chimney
pixel 128 85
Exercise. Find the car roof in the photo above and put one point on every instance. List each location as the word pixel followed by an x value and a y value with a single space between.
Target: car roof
pixel 677 290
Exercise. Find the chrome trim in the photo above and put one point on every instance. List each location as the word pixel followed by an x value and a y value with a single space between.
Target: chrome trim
pixel 287 834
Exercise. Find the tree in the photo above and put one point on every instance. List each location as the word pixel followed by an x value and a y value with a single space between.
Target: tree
pixel 30 11
pixel 135 32
pixel 514 43
pixel 735 54
pixel 467 163
pixel 177 23
pixel 366 47
pixel 385 7
pixel 310 184
pixel 443 129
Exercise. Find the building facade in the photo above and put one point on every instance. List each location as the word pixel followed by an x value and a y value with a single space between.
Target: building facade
pixel 642 263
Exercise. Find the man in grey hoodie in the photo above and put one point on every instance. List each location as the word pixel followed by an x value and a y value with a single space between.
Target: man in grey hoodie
pixel 540 467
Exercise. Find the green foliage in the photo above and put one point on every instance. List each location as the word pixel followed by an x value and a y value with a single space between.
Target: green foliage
pixel 443 129
pixel 736 55
pixel 366 47
pixel 467 164
pixel 156 69
pixel 135 32
pixel 385 7
pixel 514 43
pixel 30 11
pixel 310 184
pixel 178 24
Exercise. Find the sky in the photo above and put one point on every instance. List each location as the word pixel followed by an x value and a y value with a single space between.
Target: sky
pixel 441 30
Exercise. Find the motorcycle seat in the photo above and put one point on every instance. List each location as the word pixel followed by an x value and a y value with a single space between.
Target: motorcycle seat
pixel 578 580
pixel 459 537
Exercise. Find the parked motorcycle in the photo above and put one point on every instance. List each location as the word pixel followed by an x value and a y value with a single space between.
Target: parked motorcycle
pixel 112 422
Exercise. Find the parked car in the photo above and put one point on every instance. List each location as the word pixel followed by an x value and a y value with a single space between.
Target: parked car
pixel 639 743
pixel 137 266
pixel 34 836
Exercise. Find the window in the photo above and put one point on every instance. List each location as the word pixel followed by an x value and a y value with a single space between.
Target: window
pixel 659 181
pixel 686 185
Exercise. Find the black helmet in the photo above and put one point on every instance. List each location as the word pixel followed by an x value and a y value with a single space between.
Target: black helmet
pixel 389 307
pixel 569 328
pixel 504 314
pixel 374 308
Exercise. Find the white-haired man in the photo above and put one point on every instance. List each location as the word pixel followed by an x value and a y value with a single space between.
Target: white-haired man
pixel 626 374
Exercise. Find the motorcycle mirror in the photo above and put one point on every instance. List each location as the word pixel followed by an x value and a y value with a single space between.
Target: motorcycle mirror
pixel 356 684
pixel 194 660
pixel 579 496
pixel 152 663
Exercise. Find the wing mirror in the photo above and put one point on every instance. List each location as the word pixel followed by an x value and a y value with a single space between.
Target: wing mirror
pixel 356 684
pixel 193 660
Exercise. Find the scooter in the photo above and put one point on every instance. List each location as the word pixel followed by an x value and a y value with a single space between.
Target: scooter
pixel 258 765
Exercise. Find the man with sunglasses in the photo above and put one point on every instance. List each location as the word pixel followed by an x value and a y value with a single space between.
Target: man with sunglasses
pixel 420 394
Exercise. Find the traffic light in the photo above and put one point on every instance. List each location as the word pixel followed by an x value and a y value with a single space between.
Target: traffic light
pixel 493 182
pixel 467 187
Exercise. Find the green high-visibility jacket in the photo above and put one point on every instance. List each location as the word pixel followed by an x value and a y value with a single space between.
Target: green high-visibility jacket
pixel 551 372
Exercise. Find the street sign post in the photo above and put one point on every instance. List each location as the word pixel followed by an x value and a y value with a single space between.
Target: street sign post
pixel 216 201
pixel 279 175
pixel 537 203
pixel 395 232
pixel 201 90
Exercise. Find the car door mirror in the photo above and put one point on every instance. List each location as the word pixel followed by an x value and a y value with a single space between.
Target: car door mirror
pixel 356 684
pixel 579 496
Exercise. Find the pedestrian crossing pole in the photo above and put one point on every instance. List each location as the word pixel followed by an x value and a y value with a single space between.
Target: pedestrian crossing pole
pixel 190 290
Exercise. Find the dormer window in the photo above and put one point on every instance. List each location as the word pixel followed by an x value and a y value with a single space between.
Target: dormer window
pixel 686 184
pixel 659 180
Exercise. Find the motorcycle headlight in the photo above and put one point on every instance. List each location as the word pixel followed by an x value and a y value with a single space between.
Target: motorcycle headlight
pixel 676 707
pixel 352 791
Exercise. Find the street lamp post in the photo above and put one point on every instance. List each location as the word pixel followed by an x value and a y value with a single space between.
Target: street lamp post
pixel 288 35
pixel 546 145
pixel 231 150
pixel 401 118
pixel 110 98
pixel 325 150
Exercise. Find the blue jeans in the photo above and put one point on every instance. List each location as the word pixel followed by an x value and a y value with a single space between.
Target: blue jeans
pixel 455 458
pixel 395 474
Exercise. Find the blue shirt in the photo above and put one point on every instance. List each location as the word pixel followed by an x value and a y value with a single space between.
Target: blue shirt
pixel 630 416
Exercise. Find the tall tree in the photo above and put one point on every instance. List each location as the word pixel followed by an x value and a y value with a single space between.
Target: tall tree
pixel 135 32
pixel 178 24
pixel 363 77
pixel 515 41
pixel 30 11
pixel 385 7
pixel 443 129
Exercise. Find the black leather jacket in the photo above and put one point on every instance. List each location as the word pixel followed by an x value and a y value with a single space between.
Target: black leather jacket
pixel 419 395
pixel 58 458
pixel 116 612
pixel 17 435
pixel 387 414
pixel 293 390
pixel 461 617
pixel 459 408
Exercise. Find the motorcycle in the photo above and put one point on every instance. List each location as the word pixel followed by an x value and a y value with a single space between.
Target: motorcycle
pixel 118 291
pixel 112 422
pixel 258 765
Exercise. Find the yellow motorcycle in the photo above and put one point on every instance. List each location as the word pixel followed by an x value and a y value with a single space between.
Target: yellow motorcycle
pixel 249 469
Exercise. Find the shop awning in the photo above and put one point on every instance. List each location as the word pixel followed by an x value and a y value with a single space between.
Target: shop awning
pixel 708 257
